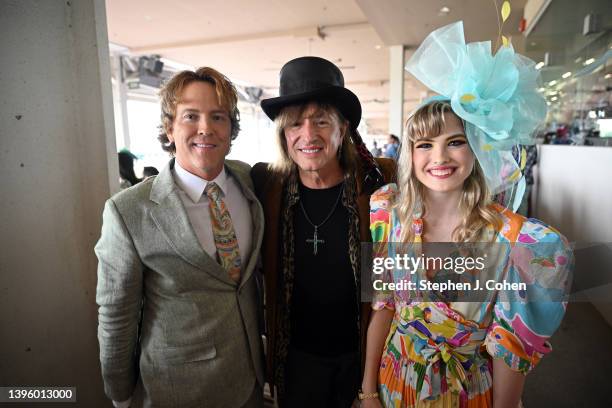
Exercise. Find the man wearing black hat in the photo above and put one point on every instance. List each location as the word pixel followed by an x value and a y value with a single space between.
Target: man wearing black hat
pixel 316 205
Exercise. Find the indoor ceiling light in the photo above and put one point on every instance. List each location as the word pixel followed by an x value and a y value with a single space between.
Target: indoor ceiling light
pixel 608 76
pixel 541 89
pixel 552 83
pixel 589 61
pixel 377 46
pixel 566 75
pixel 539 65
pixel 554 98
pixel 444 10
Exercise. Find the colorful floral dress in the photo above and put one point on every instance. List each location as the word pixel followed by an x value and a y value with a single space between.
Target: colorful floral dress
pixel 439 354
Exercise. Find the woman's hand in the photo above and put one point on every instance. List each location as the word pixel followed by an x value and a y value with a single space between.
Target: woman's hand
pixel 378 329
pixel 371 403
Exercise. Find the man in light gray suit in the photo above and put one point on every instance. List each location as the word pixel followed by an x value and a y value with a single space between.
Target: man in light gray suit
pixel 178 296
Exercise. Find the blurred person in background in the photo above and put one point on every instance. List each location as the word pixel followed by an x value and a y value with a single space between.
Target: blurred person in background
pixel 392 147
pixel 127 177
pixel 376 151
pixel 149 171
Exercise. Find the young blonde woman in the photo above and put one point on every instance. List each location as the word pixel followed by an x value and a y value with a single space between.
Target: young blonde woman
pixel 423 349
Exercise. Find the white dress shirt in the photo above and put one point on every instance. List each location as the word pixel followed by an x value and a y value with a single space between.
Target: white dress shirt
pixel 191 193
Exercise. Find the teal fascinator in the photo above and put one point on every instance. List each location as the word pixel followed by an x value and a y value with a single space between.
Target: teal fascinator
pixel 495 95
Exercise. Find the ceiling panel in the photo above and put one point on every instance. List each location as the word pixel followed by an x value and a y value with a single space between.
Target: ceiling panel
pixel 250 41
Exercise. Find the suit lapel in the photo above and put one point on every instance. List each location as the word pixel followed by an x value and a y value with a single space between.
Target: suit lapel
pixel 171 219
pixel 246 185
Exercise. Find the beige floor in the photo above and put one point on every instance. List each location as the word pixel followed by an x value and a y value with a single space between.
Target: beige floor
pixel 577 372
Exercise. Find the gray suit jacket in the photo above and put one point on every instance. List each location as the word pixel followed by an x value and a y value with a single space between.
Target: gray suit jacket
pixel 174 329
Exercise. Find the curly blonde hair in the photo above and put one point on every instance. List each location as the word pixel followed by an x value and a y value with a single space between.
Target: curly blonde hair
pixel 475 203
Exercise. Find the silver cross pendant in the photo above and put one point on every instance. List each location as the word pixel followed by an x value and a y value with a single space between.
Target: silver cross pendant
pixel 315 241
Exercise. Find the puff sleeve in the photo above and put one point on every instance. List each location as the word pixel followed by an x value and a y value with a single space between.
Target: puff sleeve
pixel 522 324
pixel 380 228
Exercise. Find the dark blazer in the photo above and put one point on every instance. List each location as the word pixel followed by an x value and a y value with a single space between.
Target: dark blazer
pixel 270 189
pixel 199 342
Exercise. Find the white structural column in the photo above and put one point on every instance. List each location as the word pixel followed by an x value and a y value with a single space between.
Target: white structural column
pixel 396 90
pixel 57 159
pixel 120 98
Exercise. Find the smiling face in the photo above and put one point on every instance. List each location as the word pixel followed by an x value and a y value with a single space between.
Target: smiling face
pixel 443 162
pixel 201 130
pixel 313 140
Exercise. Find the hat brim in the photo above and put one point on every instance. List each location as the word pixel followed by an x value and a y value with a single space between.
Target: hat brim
pixel 343 99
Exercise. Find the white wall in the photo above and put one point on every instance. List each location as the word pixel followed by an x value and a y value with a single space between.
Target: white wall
pixel 56 144
pixel 574 194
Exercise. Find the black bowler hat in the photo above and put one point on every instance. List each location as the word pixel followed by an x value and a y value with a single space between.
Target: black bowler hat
pixel 316 79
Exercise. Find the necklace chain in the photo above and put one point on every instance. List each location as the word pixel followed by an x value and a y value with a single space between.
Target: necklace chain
pixel 315 238
pixel 328 215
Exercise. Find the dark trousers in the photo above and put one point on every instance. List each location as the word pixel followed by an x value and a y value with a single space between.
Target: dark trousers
pixel 322 382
